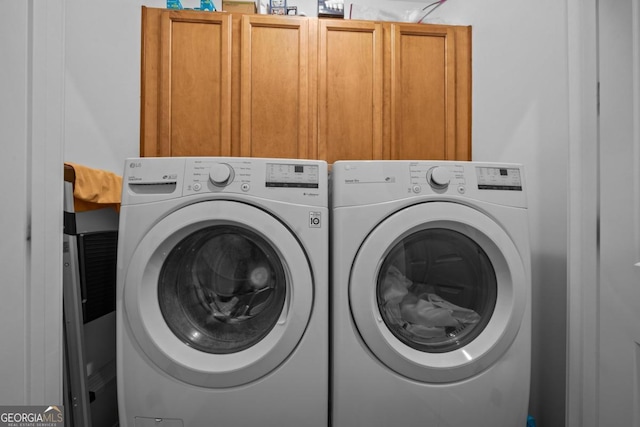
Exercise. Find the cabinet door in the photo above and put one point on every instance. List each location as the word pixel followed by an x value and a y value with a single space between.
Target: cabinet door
pixel 274 87
pixel 186 87
pixel 429 92
pixel 349 90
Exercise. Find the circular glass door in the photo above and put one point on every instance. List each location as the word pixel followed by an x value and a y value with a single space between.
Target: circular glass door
pixel 218 293
pixel 438 291
pixel 222 289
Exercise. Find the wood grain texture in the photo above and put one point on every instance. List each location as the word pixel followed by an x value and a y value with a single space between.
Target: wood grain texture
pixel 274 118
pixel 296 87
pixel 350 90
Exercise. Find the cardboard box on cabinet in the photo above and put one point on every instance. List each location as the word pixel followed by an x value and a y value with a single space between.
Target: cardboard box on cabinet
pixel 239 6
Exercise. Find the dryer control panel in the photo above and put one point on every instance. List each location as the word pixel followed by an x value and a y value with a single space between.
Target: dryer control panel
pixel 364 182
pixel 440 177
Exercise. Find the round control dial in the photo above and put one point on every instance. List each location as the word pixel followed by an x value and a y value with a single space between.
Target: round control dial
pixel 439 177
pixel 221 174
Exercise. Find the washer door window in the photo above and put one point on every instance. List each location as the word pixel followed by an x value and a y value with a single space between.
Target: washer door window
pixel 438 292
pixel 222 289
pixel 218 294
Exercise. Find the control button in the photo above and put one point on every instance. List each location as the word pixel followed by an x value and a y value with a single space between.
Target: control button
pixel 221 174
pixel 416 189
pixel 197 186
pixel 462 189
pixel 439 177
pixel 245 187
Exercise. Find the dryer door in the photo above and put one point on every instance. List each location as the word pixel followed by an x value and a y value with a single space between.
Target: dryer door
pixel 218 293
pixel 438 292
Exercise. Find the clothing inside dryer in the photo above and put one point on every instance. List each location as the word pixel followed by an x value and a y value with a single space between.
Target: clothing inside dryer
pixel 222 289
pixel 436 290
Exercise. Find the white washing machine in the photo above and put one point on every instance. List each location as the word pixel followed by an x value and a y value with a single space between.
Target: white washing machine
pixel 431 294
pixel 222 293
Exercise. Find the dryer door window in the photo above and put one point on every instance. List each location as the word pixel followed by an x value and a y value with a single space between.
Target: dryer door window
pixel 222 289
pixel 436 290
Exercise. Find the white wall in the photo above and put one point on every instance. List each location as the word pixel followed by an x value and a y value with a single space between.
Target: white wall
pixel 31 75
pixel 520 114
pixel 13 252
pixel 102 82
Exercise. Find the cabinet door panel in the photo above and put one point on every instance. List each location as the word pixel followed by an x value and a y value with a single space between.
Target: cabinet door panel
pixel 195 87
pixel 274 87
pixel 350 90
pixel 423 92
pixel 296 87
pixel 149 81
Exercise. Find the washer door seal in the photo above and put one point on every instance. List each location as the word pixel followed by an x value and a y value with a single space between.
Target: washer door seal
pixel 176 356
pixel 498 332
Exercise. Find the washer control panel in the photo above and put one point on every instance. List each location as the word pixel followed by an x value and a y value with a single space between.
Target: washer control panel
pixel 244 175
pixel 212 175
pixel 149 179
pixel 292 175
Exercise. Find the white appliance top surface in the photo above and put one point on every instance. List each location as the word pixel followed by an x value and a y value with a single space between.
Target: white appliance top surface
pixel 288 180
pixel 356 183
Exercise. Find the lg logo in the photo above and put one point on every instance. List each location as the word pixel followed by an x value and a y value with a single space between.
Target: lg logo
pixel 315 220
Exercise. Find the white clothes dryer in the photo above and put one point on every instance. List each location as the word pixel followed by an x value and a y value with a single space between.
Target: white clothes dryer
pixel 431 294
pixel 222 293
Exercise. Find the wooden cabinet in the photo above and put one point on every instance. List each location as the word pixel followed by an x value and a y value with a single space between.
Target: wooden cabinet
pixel 295 87
pixel 429 78
pixel 350 90
pixel 186 83
pixel 274 87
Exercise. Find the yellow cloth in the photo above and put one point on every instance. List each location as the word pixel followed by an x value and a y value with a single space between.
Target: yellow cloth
pixel 95 188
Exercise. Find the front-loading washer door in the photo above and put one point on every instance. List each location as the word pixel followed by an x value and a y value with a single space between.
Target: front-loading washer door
pixel 218 293
pixel 438 292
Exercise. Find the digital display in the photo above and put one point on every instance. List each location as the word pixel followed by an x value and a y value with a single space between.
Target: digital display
pixel 496 178
pixel 292 175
